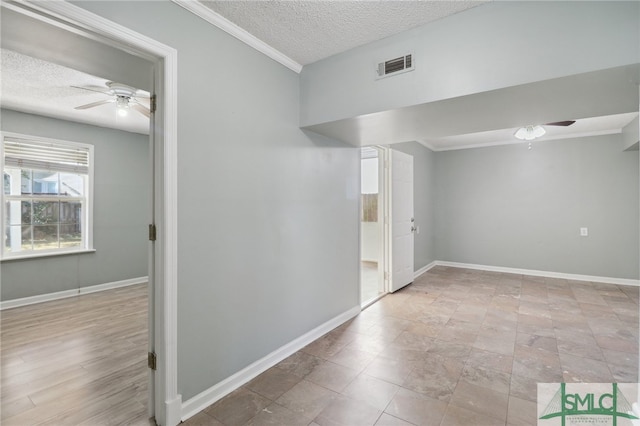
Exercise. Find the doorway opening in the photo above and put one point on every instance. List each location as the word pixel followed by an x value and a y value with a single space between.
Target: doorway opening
pixel 77 277
pixel 164 400
pixel 372 229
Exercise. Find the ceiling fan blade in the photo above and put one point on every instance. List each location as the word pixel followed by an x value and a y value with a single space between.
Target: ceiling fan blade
pixel 141 109
pixel 561 123
pixel 90 89
pixel 95 104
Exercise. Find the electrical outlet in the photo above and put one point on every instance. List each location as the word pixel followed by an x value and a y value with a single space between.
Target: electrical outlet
pixel 584 232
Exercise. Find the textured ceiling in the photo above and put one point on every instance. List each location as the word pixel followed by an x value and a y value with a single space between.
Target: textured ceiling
pixel 307 31
pixel 40 87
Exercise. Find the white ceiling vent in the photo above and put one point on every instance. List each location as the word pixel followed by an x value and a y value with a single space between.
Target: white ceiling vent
pixel 395 66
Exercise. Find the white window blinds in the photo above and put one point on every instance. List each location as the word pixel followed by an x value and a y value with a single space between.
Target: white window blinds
pixel 30 154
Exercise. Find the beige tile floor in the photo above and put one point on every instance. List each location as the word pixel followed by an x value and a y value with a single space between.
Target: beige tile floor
pixel 369 281
pixel 457 347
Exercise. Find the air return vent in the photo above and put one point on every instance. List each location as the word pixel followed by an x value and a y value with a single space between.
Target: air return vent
pixel 395 66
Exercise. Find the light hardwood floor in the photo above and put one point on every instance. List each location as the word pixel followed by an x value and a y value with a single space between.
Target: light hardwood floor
pixel 80 360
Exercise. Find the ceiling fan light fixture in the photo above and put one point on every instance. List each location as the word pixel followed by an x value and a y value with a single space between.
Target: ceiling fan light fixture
pixel 125 97
pixel 529 133
pixel 122 106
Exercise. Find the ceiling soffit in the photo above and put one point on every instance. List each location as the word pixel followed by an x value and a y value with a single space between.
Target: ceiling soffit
pixel 594 94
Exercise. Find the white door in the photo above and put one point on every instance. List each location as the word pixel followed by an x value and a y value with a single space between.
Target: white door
pixel 402 222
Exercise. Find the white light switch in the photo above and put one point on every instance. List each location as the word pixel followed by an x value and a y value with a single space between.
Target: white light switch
pixel 584 232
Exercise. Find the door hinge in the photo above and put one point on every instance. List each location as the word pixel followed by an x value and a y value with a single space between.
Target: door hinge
pixel 386 275
pixel 152 103
pixel 152 232
pixel 151 360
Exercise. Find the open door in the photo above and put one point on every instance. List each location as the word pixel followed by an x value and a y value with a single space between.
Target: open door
pixel 402 224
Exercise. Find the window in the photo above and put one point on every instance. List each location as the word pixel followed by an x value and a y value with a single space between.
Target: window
pixel 46 196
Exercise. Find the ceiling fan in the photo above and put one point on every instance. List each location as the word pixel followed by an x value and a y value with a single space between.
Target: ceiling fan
pixel 529 133
pixel 125 97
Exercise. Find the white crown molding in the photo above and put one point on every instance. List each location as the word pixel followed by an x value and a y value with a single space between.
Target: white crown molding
pixel 537 273
pixel 230 28
pixel 194 405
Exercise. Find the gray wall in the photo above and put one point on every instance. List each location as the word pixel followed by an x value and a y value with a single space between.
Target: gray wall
pixel 496 45
pixel 424 174
pixel 508 206
pixel 122 178
pixel 268 215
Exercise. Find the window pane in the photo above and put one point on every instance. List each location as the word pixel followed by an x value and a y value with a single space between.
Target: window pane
pixel 70 235
pixel 45 212
pixel 7 183
pixel 70 212
pixel 45 182
pixel 25 185
pixel 45 237
pixel 71 184
pixel 25 212
pixel 26 232
pixel 7 238
pixel 46 203
pixel 17 238
pixel 18 212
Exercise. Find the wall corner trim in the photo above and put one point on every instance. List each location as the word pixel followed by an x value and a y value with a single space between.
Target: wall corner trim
pixel 428 146
pixel 424 269
pixel 537 273
pixel 24 301
pixel 173 410
pixel 244 36
pixel 199 402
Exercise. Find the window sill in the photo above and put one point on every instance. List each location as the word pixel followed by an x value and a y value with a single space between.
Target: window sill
pixel 37 255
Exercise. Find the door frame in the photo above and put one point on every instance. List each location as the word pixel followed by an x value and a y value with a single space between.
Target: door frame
pixel 383 220
pixel 165 402
pixel 384 175
pixel 385 216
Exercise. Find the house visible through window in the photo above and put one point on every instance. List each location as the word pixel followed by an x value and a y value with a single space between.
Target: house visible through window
pixel 46 196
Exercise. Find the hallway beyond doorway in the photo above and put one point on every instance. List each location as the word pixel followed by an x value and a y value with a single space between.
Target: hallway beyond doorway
pixel 369 282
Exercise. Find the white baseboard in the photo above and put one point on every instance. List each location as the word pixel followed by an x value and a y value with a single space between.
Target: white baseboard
pixel 424 269
pixel 173 411
pixel 199 402
pixel 24 301
pixel 536 273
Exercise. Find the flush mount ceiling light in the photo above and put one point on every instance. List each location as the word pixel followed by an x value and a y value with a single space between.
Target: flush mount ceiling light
pixel 530 133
